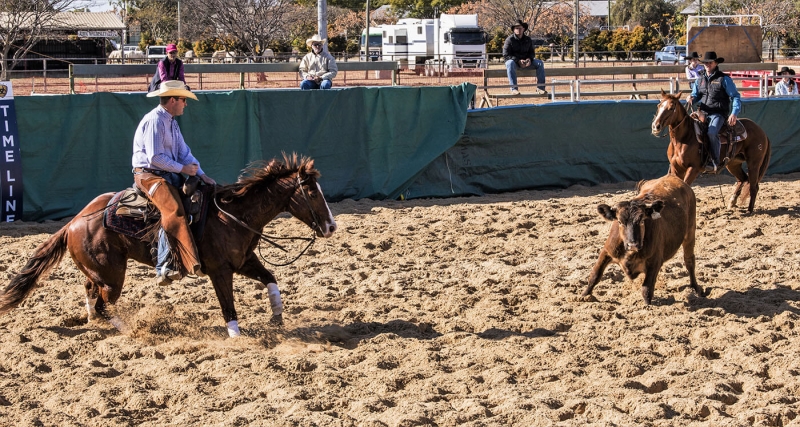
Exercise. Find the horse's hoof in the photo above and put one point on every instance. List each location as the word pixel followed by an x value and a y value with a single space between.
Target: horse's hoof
pixel 276 320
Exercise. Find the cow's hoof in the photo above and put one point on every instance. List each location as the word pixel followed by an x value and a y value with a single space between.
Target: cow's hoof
pixel 276 320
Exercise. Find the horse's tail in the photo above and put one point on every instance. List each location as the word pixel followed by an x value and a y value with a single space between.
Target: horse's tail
pixel 47 256
pixel 761 172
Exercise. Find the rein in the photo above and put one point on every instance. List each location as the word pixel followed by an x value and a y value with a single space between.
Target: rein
pixel 270 239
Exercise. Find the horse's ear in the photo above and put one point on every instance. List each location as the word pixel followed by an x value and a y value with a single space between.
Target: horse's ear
pixel 679 95
pixel 663 94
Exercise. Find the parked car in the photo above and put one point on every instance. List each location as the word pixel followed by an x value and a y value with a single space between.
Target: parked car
pixel 155 53
pixel 671 55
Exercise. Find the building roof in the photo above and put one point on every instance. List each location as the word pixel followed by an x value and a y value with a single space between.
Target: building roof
pixel 87 21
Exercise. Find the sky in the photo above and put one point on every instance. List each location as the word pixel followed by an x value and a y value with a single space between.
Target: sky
pixel 94 5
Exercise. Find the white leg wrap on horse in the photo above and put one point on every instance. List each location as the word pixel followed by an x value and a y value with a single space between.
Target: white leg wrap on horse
pixel 233 329
pixel 119 324
pixel 90 302
pixel 275 301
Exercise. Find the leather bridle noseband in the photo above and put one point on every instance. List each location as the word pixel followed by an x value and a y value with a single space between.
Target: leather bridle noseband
pixel 663 134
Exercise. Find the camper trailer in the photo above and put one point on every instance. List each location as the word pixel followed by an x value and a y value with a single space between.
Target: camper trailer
pixel 436 46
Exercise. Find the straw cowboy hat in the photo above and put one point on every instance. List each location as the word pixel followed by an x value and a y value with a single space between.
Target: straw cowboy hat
pixel 519 23
pixel 712 57
pixel 172 88
pixel 315 39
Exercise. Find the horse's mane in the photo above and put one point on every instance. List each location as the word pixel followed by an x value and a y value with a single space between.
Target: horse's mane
pixel 263 172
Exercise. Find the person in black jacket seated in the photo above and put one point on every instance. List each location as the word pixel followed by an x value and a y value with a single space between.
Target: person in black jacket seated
pixel 169 68
pixel 518 51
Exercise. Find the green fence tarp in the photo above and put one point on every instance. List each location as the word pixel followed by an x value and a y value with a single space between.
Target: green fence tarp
pixel 561 144
pixel 367 142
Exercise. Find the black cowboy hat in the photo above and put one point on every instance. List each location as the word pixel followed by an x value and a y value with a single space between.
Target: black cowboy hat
pixel 712 57
pixel 519 23
pixel 786 70
pixel 693 55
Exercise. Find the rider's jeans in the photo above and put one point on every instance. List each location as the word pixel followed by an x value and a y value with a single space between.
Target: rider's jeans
pixel 715 122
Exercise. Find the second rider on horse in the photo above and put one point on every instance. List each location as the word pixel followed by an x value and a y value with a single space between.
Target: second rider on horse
pixel 716 95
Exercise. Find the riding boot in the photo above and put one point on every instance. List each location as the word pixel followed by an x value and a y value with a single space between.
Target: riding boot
pixel 173 218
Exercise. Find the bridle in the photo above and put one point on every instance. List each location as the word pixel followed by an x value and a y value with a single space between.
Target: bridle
pixel 671 112
pixel 315 226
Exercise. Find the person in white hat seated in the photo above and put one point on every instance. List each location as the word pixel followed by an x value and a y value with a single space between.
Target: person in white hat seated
pixel 160 157
pixel 317 68
pixel 787 85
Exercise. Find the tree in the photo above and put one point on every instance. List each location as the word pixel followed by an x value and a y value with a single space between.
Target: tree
pixel 647 13
pixel 158 20
pixel 423 9
pixel 22 24
pixel 253 23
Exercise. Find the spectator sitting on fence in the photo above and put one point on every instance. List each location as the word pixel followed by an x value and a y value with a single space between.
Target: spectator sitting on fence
pixel 693 68
pixel 317 68
pixel 169 68
pixel 787 85
pixel 518 52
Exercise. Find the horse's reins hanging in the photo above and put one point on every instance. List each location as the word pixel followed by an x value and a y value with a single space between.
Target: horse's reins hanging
pixel 269 239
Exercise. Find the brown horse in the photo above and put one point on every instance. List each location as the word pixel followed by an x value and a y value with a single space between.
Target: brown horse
pixel 684 152
pixel 262 192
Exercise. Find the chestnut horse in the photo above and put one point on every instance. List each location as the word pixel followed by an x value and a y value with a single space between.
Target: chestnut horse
pixel 232 232
pixel 684 152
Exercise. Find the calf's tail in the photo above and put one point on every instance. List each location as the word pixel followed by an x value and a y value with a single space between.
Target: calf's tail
pixel 47 256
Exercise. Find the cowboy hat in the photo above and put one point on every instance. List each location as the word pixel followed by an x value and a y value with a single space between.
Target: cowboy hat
pixel 172 48
pixel 693 55
pixel 520 24
pixel 711 56
pixel 786 70
pixel 315 39
pixel 172 88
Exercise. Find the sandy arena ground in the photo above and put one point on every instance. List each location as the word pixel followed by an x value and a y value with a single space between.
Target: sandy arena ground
pixel 433 312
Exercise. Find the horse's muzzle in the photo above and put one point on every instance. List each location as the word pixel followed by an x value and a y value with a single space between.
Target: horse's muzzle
pixel 326 230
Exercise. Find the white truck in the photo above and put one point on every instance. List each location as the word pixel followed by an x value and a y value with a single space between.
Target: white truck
pixel 436 46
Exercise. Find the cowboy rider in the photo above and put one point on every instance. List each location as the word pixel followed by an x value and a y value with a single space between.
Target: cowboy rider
pixel 716 95
pixel 160 156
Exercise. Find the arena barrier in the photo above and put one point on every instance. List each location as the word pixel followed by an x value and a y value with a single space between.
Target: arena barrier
pixel 379 142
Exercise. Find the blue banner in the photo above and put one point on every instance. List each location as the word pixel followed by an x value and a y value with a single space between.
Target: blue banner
pixel 10 158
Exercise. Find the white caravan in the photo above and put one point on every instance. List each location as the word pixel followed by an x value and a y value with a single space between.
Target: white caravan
pixel 443 45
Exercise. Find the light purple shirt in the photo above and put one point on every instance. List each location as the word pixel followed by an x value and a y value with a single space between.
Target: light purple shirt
pixel 158 144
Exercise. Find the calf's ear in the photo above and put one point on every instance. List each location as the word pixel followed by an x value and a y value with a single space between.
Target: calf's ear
pixel 607 212
pixel 654 209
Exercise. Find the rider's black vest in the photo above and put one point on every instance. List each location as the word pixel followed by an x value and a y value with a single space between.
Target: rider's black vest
pixel 713 97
